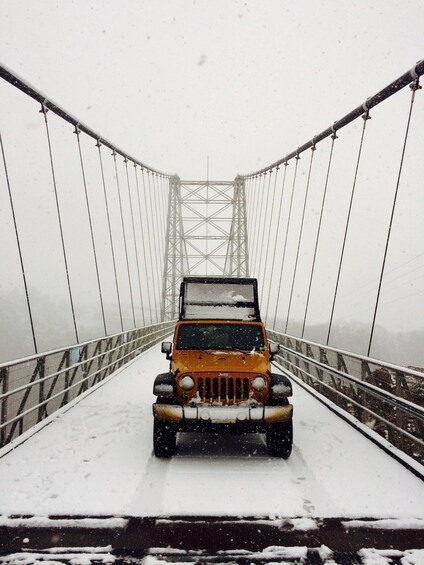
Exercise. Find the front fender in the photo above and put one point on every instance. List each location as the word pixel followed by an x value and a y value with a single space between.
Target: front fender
pixel 164 385
pixel 281 387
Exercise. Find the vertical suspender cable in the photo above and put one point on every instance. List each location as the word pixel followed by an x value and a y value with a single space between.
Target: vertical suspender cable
pixel 414 86
pixel 155 286
pixel 44 111
pixel 365 117
pixel 255 201
pixel 300 236
pixel 12 206
pixel 143 242
pixel 264 225
pixel 158 254
pixel 161 236
pixel 98 144
pixel 161 217
pixel 93 245
pixel 269 229
pixel 164 237
pixel 285 241
pixel 333 139
pixel 258 226
pixel 149 234
pixel 276 239
pixel 251 193
pixel 125 237
pixel 163 240
pixel 247 193
pixel 135 241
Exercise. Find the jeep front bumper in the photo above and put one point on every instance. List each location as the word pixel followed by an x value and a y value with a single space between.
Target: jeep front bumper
pixel 194 417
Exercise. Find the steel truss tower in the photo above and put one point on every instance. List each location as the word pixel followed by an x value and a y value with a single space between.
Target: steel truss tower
pixel 206 234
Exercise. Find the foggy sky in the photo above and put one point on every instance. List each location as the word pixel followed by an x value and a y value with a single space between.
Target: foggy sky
pixel 244 83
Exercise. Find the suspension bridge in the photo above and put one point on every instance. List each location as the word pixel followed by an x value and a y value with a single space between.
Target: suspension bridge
pixel 95 243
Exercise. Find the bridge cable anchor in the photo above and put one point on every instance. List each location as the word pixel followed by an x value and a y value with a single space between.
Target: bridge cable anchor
pixel 334 134
pixel 414 86
pixel 44 108
pixel 366 114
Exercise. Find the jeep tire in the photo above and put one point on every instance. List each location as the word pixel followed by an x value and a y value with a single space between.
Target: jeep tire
pixel 279 439
pixel 164 439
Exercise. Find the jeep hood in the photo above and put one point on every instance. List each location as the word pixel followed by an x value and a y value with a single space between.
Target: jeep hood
pixel 220 361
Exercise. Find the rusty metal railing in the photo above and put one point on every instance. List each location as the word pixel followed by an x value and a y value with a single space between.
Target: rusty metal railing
pixel 33 388
pixel 387 398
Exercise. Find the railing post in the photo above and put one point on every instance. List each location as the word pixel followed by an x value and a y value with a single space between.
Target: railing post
pixel 42 408
pixel 65 398
pixel 4 380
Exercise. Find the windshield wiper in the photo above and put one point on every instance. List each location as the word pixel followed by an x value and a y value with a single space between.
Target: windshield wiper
pixel 245 351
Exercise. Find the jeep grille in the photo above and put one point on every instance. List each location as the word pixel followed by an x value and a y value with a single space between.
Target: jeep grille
pixel 225 390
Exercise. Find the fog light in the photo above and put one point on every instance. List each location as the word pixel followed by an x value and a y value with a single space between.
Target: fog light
pixel 259 383
pixel 187 382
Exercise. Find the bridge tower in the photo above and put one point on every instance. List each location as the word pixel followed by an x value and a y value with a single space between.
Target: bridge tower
pixel 206 234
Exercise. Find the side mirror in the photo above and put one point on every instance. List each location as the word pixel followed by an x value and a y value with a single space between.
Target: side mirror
pixel 166 348
pixel 274 348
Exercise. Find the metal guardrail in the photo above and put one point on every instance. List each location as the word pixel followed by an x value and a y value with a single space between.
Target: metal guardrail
pixel 387 398
pixel 33 388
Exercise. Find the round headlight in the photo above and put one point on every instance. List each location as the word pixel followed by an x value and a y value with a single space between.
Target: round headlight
pixel 187 382
pixel 259 383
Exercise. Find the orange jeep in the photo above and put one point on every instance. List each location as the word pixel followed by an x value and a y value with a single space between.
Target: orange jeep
pixel 220 376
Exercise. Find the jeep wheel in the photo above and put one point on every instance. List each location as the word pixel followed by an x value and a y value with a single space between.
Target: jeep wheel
pixel 164 439
pixel 279 439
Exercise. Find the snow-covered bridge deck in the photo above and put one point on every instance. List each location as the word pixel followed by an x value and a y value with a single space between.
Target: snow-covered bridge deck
pixel 95 459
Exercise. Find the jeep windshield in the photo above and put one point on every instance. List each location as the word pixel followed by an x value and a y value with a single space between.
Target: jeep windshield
pixel 237 337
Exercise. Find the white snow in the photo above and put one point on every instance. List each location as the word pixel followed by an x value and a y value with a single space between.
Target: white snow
pixel 96 460
pixel 387 524
pixel 44 522
pixel 164 389
pixel 86 558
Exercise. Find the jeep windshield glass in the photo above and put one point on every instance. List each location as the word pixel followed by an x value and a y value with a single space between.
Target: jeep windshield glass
pixel 245 337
